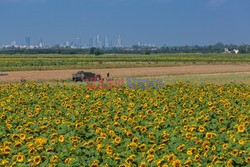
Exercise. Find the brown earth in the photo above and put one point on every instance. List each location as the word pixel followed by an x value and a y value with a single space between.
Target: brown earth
pixel 124 72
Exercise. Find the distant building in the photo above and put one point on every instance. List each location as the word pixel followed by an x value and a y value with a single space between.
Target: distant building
pixel 72 44
pixel 106 43
pixel 226 51
pixel 67 44
pixel 119 42
pixel 40 43
pixel 78 42
pixel 27 41
pixel 236 51
pixel 13 43
pixel 98 41
pixel 139 44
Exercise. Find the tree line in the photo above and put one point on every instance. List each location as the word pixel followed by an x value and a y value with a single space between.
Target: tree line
pixel 216 48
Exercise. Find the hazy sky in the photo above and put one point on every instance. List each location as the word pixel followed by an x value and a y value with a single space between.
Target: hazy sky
pixel 173 22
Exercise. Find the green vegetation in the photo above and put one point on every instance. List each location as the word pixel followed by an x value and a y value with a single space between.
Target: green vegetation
pixel 56 61
pixel 215 48
pixel 218 78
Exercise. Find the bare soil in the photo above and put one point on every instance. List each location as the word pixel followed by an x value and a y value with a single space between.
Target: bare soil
pixel 124 72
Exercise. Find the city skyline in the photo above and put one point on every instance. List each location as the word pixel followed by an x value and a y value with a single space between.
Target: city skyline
pixel 102 42
pixel 97 41
pixel 171 22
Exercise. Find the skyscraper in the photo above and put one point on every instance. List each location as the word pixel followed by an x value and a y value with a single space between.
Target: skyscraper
pixel 119 42
pixel 139 44
pixel 13 43
pixel 40 43
pixel 98 41
pixel 106 43
pixel 67 44
pixel 78 42
pixel 27 41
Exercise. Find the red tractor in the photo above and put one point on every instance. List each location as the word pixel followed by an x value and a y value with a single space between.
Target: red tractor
pixel 86 76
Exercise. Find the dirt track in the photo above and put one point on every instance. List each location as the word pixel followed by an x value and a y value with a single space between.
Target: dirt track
pixel 123 72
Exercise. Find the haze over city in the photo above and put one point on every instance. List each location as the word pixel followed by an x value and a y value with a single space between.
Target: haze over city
pixel 159 22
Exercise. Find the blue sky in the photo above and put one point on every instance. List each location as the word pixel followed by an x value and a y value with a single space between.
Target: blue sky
pixel 172 22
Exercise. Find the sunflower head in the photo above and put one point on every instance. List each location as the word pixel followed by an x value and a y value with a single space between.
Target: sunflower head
pixel 241 128
pixel 37 160
pixel 54 159
pixel 20 158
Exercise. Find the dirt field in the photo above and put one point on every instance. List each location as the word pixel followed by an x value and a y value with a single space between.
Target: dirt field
pixel 124 72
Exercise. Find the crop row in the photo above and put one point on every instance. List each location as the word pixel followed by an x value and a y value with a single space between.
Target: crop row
pixel 181 124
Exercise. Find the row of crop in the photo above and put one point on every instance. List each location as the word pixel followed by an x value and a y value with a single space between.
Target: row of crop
pixel 181 124
pixel 8 62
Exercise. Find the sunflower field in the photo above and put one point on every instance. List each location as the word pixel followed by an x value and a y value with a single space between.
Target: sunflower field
pixel 181 124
